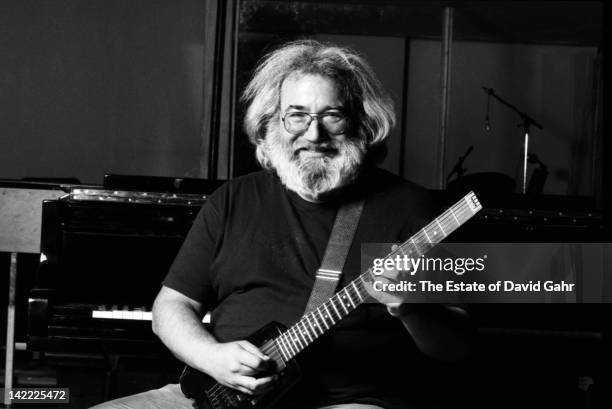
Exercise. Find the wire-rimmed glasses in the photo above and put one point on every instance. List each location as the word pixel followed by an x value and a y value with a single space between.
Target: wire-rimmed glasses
pixel 298 122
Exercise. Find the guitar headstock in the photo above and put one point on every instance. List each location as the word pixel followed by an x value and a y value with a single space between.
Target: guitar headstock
pixel 473 202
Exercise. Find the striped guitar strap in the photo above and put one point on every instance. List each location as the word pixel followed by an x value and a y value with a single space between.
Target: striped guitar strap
pixel 340 239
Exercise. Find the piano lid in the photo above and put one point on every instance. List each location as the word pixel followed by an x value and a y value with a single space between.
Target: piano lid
pixel 179 185
pixel 141 197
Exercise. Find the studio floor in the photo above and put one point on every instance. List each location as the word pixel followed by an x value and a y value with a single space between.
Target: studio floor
pixel 88 377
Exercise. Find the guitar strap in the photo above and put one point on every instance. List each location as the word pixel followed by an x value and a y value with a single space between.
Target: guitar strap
pixel 340 240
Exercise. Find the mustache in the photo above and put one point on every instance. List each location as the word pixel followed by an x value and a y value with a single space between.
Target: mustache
pixel 312 147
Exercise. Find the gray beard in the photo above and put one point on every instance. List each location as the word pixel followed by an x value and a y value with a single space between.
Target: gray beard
pixel 312 177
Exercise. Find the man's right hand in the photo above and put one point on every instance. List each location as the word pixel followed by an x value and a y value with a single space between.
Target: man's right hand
pixel 177 320
pixel 236 365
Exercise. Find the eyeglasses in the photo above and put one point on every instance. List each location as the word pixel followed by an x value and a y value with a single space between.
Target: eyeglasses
pixel 297 123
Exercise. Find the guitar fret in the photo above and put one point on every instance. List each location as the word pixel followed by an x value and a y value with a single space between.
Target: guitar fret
pixel 362 277
pixel 280 349
pixel 289 344
pixel 416 248
pixel 333 303
pixel 322 318
pixel 461 215
pixel 348 294
pixel 448 227
pixel 294 339
pixel 443 232
pixel 357 291
pixel 341 298
pixel 311 326
pixel 306 332
pixel 294 346
pixel 467 201
pixel 453 213
pixel 328 314
pixel 302 335
pixel 427 236
pixel 297 337
pixel 317 323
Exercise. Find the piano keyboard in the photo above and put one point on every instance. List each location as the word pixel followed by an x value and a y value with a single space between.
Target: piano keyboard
pixel 125 313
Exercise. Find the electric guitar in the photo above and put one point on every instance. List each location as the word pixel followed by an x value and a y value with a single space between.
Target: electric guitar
pixel 282 344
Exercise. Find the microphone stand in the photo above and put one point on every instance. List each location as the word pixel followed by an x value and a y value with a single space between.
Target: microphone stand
pixel 459 169
pixel 527 122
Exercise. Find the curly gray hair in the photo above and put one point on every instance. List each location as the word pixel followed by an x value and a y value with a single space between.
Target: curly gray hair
pixel 369 107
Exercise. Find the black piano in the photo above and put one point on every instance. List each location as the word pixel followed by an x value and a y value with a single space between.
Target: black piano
pixel 104 253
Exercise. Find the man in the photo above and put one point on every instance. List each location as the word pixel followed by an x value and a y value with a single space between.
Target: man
pixel 318 118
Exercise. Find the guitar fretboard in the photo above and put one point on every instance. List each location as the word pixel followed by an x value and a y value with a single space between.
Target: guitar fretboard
pixel 315 323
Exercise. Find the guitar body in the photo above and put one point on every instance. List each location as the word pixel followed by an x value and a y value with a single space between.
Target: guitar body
pixel 209 394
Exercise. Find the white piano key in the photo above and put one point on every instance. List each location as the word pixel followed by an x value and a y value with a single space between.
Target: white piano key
pixel 102 314
pixel 122 315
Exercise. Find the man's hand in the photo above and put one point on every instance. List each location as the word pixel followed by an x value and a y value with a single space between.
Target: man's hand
pixel 177 320
pixel 237 364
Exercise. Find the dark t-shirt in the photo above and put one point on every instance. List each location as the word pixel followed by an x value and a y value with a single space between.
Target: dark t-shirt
pixel 251 258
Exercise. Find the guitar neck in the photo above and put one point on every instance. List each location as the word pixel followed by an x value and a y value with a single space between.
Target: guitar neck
pixel 315 323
